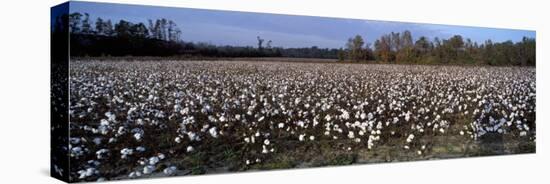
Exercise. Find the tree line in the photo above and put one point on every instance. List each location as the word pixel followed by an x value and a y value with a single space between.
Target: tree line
pixel 398 47
pixel 163 37
pixel 161 29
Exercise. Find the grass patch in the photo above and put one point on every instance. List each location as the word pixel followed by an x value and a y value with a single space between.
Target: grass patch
pixel 343 159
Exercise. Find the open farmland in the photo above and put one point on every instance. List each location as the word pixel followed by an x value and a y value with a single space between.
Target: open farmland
pixel 157 118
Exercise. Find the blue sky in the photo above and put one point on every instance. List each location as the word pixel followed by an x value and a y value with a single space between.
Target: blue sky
pixel 241 28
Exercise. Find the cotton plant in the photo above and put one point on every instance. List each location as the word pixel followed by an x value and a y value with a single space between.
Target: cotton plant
pixel 257 107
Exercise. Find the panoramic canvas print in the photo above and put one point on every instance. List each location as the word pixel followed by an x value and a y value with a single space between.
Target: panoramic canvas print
pixel 148 91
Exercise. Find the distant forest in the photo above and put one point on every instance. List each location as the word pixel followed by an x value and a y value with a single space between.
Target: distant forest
pixel 162 37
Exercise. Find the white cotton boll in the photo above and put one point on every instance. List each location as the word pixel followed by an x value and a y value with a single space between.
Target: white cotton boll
pixel 140 149
pixel 193 136
pixel 138 136
pixel 134 174
pixel 177 107
pixel 301 137
pixel 112 140
pixel 301 123
pixel 347 124
pixel 97 141
pixel 297 101
pixel 370 116
pixel 110 116
pixel 102 129
pixel 101 153
pixel 363 116
pixel 125 152
pixel 184 111
pixel 315 122
pixel 154 160
pixel 370 143
pixel 266 142
pixel 121 131
pixel 140 122
pixel 356 124
pixel 74 140
pixel 247 162
pixel 170 170
pixel 161 156
pixel 213 132
pixel 519 122
pixel 148 169
pixel 522 133
pixel 190 149
pixel 281 125
pixel 206 126
pixel 410 138
pixel 247 139
pixel 312 138
pixel 461 132
pixel 441 130
pixel 143 161
pixel 328 118
pixel 351 135
pixel 419 152
pixel 76 151
pixel 526 127
pixel 264 149
pixel 104 122
pixel 345 115
pixel 406 147
pixel 177 139
pixel 86 173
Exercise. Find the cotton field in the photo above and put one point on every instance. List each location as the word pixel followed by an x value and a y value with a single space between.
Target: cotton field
pixel 158 118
